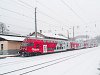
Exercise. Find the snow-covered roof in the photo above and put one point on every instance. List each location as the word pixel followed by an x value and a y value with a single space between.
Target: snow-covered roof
pixel 13 38
pixel 54 35
pixel 37 36
pixel 48 34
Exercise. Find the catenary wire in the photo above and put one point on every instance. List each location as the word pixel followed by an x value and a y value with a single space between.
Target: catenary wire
pixel 73 11
pixel 40 11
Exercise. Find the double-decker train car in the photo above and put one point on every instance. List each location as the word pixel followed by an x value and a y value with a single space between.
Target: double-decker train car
pixel 32 46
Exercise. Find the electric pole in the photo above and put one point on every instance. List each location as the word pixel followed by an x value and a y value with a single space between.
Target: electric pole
pixel 2 29
pixel 68 34
pixel 35 25
pixel 73 32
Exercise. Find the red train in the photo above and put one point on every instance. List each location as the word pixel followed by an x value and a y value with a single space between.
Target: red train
pixel 31 46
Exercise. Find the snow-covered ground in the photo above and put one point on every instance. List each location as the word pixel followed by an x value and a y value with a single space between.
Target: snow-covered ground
pixel 78 62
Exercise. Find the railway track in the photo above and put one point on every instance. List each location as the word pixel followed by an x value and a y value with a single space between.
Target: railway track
pixel 25 59
pixel 32 68
pixel 19 61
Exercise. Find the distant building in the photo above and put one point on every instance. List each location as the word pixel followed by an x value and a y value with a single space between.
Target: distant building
pixel 10 44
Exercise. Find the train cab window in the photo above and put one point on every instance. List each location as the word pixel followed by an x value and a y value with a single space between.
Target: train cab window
pixel 30 44
pixel 27 44
pixel 24 44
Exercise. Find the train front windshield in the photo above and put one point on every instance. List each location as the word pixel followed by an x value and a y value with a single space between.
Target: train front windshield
pixel 27 44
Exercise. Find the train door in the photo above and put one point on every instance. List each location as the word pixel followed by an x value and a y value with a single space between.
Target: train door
pixel 44 48
pixel 68 45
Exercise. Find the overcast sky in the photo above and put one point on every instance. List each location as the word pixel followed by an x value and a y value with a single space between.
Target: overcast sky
pixel 56 16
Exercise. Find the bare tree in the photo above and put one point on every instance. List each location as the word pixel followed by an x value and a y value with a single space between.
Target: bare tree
pixel 3 29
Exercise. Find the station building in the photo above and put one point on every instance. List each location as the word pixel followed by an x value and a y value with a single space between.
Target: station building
pixel 10 44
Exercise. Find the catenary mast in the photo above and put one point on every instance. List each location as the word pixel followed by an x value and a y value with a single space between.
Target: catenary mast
pixel 35 24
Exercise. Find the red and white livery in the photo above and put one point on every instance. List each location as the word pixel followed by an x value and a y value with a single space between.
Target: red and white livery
pixel 34 46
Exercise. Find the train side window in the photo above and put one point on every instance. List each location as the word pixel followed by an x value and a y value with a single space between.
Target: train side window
pixel 67 44
pixel 37 46
pixel 49 49
pixel 60 47
pixel 57 47
pixel 45 41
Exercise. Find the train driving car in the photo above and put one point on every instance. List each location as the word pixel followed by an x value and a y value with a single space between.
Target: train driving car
pixel 31 46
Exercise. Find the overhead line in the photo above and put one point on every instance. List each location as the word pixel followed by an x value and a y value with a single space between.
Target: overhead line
pixel 15 12
pixel 15 2
pixel 26 15
pixel 39 11
pixel 17 26
pixel 23 15
pixel 44 6
pixel 49 10
pixel 19 13
pixel 73 11
pixel 48 16
pixel 25 3
pixel 20 4
pixel 15 18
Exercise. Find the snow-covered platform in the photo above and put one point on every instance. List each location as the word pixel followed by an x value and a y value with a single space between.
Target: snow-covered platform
pixel 78 62
pixel 4 56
